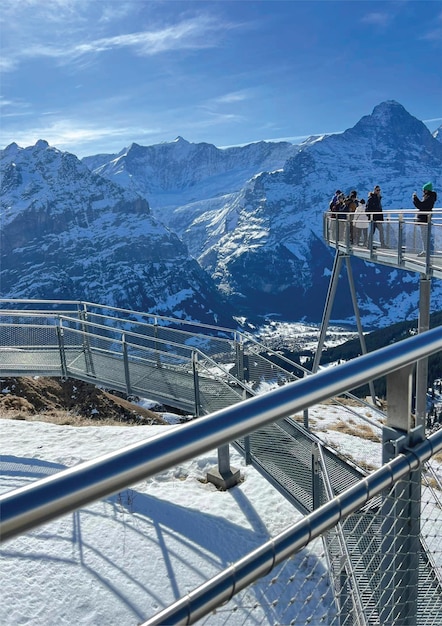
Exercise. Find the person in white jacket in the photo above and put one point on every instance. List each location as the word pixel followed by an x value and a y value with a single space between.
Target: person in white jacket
pixel 360 223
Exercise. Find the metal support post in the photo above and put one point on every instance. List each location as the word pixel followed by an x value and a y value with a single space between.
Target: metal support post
pixel 89 363
pixel 328 308
pixel 126 365
pixel 316 485
pixel 241 375
pixel 331 294
pixel 332 287
pixel 422 364
pixel 400 239
pixel 400 513
pixel 60 337
pixel 224 476
pixel 196 386
pixel 354 299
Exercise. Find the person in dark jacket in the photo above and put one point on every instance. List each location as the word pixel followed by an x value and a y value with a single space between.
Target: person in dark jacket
pixel 425 206
pixel 374 208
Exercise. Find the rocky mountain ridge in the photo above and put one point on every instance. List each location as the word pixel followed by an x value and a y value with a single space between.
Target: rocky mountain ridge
pixel 68 233
pixel 262 243
pixel 197 232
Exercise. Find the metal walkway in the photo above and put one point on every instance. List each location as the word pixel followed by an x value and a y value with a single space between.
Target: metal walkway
pixel 202 370
pixel 408 245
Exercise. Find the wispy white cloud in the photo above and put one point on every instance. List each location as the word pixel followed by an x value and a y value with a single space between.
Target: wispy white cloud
pixel 233 97
pixel 377 18
pixel 191 34
pixel 434 34
pixel 70 134
pixel 8 63
pixel 115 11
pixel 196 33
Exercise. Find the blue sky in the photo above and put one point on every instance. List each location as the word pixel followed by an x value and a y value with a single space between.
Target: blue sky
pixel 93 76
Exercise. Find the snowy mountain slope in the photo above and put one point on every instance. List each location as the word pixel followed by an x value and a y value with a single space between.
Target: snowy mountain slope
pixel 251 217
pixel 180 171
pixel 274 256
pixel 262 243
pixel 68 233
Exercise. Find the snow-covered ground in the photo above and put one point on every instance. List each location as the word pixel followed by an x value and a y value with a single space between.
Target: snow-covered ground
pixel 121 560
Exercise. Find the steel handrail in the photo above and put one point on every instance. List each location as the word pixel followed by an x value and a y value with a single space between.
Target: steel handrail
pixel 259 562
pixel 92 305
pixel 51 497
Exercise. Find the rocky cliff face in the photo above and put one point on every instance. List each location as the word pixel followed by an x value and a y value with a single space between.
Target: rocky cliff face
pixel 68 233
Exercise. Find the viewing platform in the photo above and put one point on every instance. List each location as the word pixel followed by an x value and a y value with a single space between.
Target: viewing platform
pixel 409 245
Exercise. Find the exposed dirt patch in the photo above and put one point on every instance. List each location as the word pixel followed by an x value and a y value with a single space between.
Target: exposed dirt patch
pixel 68 402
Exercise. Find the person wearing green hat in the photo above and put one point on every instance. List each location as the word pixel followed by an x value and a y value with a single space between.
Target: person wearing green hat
pixel 425 206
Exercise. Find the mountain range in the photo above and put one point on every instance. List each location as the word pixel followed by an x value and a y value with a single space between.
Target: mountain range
pixel 210 234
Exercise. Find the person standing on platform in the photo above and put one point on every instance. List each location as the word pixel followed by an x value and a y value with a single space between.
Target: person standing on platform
pixel 351 202
pixel 361 224
pixel 374 208
pixel 425 206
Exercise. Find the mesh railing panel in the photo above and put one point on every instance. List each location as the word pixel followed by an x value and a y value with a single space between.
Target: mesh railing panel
pixel 372 555
pixel 27 336
pixel 295 593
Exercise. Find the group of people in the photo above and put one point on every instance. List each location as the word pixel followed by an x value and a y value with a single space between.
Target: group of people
pixel 359 214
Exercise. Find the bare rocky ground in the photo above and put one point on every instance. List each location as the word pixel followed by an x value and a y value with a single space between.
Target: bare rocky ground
pixel 69 402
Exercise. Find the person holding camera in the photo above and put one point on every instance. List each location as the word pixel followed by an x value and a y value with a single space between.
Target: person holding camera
pixel 424 206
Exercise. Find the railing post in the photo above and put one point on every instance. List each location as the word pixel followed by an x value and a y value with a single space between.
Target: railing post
pixel 400 238
pixel 196 386
pixel 126 365
pixel 155 334
pixel 370 234
pixel 400 519
pixel 60 337
pixel 89 364
pixel 428 245
pixel 241 375
pixel 348 225
pixel 239 360
pixel 316 485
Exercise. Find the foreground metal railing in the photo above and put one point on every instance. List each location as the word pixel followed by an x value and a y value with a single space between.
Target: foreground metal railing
pixel 70 489
pixel 30 506
pixel 264 559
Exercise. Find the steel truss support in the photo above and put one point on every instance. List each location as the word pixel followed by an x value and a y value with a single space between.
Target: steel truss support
pixel 331 294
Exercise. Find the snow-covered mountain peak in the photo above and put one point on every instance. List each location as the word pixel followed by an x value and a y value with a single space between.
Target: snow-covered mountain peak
pixel 41 144
pixel 250 215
